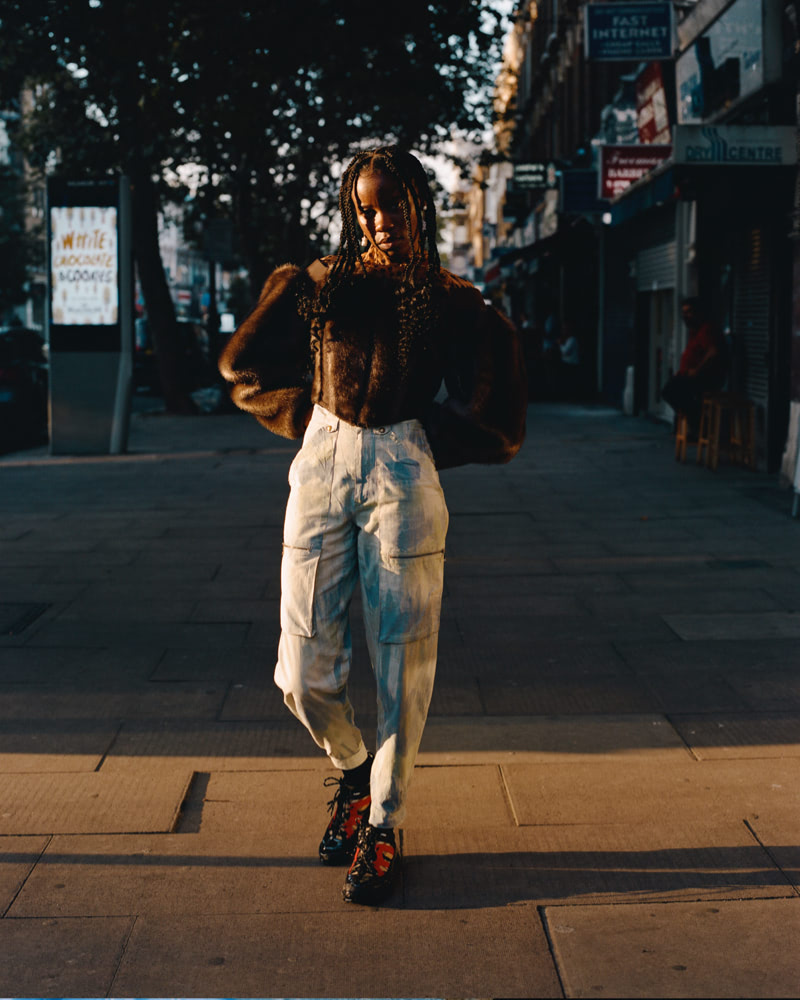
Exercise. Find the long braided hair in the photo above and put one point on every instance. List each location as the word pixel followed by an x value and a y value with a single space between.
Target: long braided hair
pixel 419 275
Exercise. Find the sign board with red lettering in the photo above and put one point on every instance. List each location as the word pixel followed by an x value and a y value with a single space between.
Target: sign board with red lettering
pixel 652 114
pixel 620 166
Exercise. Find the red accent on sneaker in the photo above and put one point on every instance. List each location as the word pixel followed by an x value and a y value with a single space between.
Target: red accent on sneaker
pixel 384 853
pixel 357 810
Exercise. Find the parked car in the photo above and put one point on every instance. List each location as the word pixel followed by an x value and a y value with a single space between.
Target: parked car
pixel 23 388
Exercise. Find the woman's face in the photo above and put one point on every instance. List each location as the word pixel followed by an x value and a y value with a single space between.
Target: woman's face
pixel 379 209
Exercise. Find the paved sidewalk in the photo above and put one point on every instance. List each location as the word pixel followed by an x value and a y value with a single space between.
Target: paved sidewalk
pixel 606 802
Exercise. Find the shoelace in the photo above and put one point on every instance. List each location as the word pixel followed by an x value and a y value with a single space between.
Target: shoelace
pixel 343 792
pixel 338 795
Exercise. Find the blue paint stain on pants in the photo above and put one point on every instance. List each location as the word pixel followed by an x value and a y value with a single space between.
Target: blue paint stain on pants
pixel 364 504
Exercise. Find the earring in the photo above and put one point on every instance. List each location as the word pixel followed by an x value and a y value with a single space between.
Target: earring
pixel 364 242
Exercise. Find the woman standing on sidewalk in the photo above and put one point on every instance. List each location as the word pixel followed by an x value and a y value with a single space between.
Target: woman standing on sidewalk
pixel 349 353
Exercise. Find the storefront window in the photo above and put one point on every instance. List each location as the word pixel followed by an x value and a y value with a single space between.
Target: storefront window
pixel 725 63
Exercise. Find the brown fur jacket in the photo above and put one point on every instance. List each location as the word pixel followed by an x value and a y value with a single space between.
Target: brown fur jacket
pixel 368 375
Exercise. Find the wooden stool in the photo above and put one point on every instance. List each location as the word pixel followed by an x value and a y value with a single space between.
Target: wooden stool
pixel 704 432
pixel 743 434
pixel 740 414
pixel 681 436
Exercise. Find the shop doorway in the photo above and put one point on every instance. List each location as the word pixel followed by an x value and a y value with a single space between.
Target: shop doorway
pixel 661 360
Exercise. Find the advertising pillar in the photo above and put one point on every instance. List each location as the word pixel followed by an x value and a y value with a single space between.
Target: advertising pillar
pixel 90 315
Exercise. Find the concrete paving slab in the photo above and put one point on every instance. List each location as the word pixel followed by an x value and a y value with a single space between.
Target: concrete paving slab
pixel 134 701
pixel 548 695
pixel 501 626
pixel 263 633
pixel 107 633
pixel 455 697
pixel 444 955
pixel 291 804
pixel 494 525
pixel 178 572
pixel 94 609
pixel 631 563
pixel 296 801
pixel 728 736
pixel 250 701
pixel 447 797
pixel 26 588
pixel 249 664
pixel 52 957
pixel 716 577
pixel 18 855
pixel 730 949
pixel 549 740
pixel 464 587
pixel 23 665
pixel 505 563
pixel 769 690
pixel 524 601
pixel 81 562
pixel 693 691
pixel 239 610
pixel 30 747
pixel 271 870
pixel 721 655
pixel 526 658
pixel 91 803
pixel 776 829
pixel 451 867
pixel 685 601
pixel 633 791
pixel 213 746
pixel 756 625
pixel 125 592
pixel 564 544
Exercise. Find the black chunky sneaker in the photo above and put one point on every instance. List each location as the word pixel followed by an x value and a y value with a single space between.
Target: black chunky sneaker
pixel 349 808
pixel 371 876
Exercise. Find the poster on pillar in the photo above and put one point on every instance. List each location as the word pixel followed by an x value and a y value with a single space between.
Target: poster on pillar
pixel 84 279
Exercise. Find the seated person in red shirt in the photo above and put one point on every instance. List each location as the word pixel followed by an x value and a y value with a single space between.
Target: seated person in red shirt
pixel 703 367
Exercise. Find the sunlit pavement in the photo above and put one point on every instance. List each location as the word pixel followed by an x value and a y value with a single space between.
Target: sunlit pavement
pixel 606 802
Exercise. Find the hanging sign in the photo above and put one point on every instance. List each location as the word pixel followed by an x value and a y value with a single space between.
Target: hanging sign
pixel 736 145
pixel 620 166
pixel 652 114
pixel 619 31
pixel 530 176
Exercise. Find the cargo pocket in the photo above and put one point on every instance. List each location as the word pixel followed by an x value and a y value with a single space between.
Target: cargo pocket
pixel 298 587
pixel 410 596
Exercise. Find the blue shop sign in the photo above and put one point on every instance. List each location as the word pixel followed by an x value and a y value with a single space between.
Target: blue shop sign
pixel 628 31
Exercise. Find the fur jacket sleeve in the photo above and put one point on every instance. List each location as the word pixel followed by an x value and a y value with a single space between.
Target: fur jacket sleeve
pixel 359 373
pixel 267 359
pixel 482 418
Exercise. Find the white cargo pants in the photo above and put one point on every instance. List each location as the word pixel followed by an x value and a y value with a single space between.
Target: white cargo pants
pixel 364 503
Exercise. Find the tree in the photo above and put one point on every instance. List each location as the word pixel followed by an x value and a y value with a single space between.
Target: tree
pixel 263 100
pixel 15 247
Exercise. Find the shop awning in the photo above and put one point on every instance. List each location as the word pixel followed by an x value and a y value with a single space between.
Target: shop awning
pixel 651 190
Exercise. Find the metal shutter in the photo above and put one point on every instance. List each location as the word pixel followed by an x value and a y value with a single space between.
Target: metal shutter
pixel 655 268
pixel 751 314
